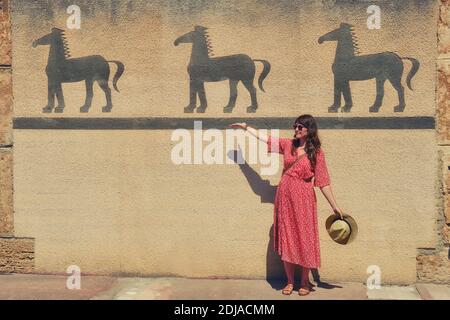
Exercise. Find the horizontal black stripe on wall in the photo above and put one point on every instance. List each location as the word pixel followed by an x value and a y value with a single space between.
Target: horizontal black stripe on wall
pixel 162 123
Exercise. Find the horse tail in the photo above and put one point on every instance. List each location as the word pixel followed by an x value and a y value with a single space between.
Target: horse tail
pixel 264 73
pixel 119 72
pixel 413 71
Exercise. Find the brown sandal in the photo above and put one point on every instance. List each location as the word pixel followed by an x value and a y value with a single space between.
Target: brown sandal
pixel 288 289
pixel 303 291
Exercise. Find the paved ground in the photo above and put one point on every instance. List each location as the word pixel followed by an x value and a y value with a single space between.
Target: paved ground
pixel 49 287
pixel 205 289
pixel 105 288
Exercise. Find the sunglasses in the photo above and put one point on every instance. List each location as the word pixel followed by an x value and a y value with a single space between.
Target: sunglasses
pixel 298 126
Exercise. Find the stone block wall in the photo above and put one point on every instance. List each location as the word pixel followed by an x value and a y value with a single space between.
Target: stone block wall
pixel 433 264
pixel 16 254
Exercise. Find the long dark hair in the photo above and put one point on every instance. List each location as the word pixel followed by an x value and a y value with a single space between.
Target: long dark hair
pixel 312 145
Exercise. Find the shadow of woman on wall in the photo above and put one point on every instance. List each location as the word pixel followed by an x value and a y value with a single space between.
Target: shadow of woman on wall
pixel 275 275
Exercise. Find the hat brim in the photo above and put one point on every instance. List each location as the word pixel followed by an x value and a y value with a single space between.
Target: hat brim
pixel 351 222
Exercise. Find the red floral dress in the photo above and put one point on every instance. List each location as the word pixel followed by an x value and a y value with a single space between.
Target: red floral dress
pixel 296 232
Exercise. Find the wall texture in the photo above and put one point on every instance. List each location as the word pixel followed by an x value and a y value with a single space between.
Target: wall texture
pixel 113 202
pixel 16 254
pixel 433 264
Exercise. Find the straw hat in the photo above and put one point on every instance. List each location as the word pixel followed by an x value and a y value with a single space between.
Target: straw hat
pixel 341 231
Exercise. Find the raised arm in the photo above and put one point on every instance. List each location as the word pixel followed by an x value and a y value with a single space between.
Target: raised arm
pixel 242 125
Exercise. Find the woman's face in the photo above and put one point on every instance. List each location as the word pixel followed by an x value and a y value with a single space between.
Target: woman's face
pixel 300 132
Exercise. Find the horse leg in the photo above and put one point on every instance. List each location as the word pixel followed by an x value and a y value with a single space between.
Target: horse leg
pixel 51 97
pixel 60 97
pixel 192 97
pixel 89 95
pixel 251 88
pixel 380 94
pixel 397 84
pixel 202 97
pixel 233 96
pixel 347 97
pixel 103 83
pixel 337 96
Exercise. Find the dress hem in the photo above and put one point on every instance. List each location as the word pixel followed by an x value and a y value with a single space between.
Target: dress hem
pixel 299 264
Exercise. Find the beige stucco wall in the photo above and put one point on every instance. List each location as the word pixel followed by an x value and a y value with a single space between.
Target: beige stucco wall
pixel 113 201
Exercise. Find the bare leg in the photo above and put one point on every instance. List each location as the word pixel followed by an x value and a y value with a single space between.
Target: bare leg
pixel 233 96
pixel 305 287
pixel 60 97
pixel 104 85
pixel 251 88
pixel 304 282
pixel 289 268
pixel 192 97
pixel 202 97
pixel 89 95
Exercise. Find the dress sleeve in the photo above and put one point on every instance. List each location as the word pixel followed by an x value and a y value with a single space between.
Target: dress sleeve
pixel 277 145
pixel 321 176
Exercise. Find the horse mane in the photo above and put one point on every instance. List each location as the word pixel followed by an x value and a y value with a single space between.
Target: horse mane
pixel 351 30
pixel 355 40
pixel 204 33
pixel 62 35
pixel 66 45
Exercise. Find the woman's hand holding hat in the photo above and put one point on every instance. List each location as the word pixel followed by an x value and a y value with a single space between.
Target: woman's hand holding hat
pixel 341 230
pixel 339 212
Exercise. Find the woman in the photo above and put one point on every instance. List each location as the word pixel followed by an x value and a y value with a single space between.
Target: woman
pixel 296 236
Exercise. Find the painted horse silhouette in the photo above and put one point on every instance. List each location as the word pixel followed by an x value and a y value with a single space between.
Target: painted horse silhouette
pixel 203 68
pixel 349 66
pixel 61 69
